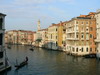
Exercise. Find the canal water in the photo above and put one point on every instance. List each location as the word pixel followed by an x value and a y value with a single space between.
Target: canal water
pixel 47 62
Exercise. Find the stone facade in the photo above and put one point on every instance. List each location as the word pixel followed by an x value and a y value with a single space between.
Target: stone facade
pixel 80 35
pixel 97 15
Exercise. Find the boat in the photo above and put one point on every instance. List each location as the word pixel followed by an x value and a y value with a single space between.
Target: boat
pixel 9 47
pixel 90 56
pixel 32 48
pixel 21 65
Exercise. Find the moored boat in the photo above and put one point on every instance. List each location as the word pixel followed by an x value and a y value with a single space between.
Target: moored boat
pixel 90 56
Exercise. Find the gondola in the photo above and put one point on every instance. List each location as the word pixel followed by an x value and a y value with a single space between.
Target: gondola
pixel 32 49
pixel 21 65
pixel 9 47
pixel 18 66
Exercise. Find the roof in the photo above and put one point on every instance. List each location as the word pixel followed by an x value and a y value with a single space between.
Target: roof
pixel 98 11
pixel 2 14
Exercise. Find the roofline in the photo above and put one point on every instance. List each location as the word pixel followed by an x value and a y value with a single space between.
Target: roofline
pixel 2 14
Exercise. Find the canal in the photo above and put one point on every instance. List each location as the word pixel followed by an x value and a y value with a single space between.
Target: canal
pixel 47 62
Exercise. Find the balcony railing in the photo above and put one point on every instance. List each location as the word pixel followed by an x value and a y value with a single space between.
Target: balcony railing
pixel 97 40
pixel 72 38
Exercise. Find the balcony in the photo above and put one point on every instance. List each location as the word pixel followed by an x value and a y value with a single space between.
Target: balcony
pixel 97 40
pixel 72 38
pixel 70 32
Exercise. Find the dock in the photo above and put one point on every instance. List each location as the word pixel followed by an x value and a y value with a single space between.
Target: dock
pixel 7 68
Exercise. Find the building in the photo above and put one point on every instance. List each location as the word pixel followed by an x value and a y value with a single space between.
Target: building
pixel 44 41
pixel 97 15
pixel 19 37
pixel 11 37
pixel 61 36
pixel 64 36
pixel 3 62
pixel 80 35
pixel 56 36
pixel 53 37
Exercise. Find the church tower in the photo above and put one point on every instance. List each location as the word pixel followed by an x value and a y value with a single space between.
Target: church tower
pixel 39 28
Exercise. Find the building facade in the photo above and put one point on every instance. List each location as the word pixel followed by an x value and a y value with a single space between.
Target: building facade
pixel 97 15
pixel 53 37
pixel 80 35
pixel 2 43
pixel 19 37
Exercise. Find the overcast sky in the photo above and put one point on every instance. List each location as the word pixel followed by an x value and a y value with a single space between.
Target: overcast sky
pixel 24 14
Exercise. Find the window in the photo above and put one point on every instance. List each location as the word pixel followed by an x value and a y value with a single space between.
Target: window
pixel 86 22
pixel 1 21
pixel 62 42
pixel 1 35
pixel 90 22
pixel 82 36
pixel 56 37
pixel 73 49
pixel 90 35
pixel 77 36
pixel 87 29
pixel 87 49
pixel 1 63
pixel 76 49
pixel 77 28
pixel 51 36
pixel 90 49
pixel 82 50
pixel 56 44
pixel 77 22
pixel 82 22
pixel 87 36
pixel 97 50
pixel 1 54
pixel 56 29
pixel 91 29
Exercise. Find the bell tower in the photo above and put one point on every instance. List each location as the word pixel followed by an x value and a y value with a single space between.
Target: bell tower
pixel 39 28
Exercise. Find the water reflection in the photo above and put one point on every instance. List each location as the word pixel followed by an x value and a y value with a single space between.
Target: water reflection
pixel 46 62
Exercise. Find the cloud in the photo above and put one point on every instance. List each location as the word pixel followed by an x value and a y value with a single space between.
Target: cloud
pixel 23 13
pixel 29 2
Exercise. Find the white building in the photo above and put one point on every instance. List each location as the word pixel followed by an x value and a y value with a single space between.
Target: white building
pixel 97 15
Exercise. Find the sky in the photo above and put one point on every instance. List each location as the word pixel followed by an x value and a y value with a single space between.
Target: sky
pixel 24 14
